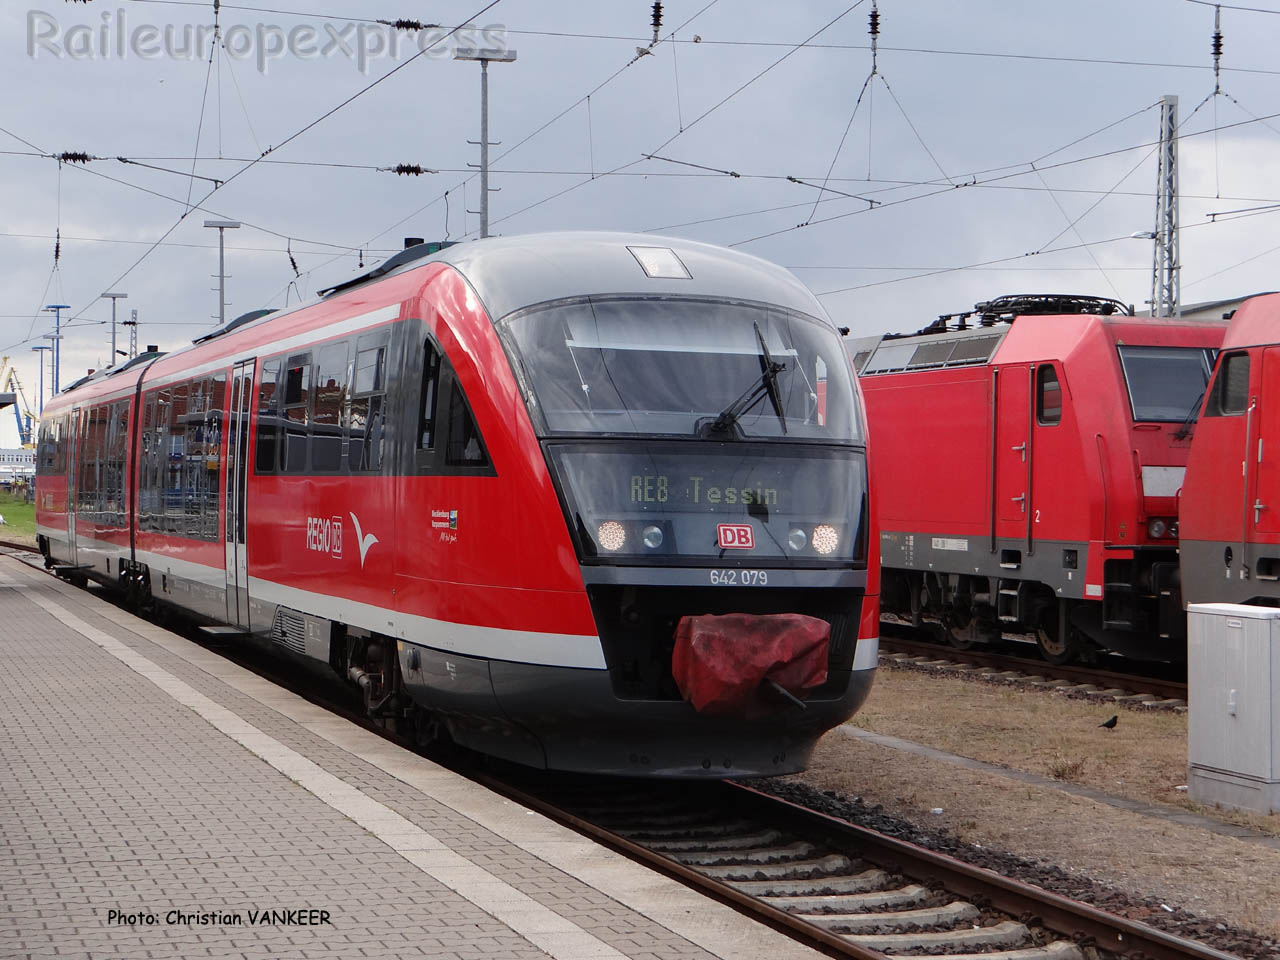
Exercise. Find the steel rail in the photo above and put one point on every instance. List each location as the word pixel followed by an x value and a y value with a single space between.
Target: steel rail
pixel 1069 917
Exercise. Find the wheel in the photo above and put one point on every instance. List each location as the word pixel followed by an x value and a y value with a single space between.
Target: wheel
pixel 1055 644
pixel 965 629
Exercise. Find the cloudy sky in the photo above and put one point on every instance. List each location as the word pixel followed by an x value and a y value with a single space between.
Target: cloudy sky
pixel 1008 146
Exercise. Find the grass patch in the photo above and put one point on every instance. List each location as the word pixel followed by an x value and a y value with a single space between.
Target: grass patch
pixel 1063 767
pixel 19 519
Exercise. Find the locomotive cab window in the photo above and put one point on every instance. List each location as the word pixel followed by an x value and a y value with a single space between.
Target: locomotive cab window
pixel 1048 396
pixel 1166 384
pixel 1230 396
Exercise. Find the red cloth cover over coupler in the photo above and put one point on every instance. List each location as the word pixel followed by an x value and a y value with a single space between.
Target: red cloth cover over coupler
pixel 719 662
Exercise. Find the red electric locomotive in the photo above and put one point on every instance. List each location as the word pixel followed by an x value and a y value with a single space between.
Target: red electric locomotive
pixel 1231 499
pixel 538 492
pixel 1028 457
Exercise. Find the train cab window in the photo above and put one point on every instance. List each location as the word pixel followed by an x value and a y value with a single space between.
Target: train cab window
pixel 1048 396
pixel 297 413
pixel 1230 396
pixel 330 398
pixel 366 421
pixel 266 455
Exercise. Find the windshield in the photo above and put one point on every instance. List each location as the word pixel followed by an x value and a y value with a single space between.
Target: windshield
pixel 1166 383
pixel 683 367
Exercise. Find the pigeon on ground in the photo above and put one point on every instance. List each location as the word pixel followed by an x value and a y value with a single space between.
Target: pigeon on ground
pixel 1111 724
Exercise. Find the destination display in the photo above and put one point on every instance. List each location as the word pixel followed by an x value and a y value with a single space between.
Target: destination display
pixel 731 502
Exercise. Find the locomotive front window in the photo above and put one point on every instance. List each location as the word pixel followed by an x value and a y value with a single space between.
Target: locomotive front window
pixel 684 368
pixel 1166 384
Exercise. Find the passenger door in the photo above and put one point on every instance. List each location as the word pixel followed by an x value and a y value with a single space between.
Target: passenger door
pixel 1011 458
pixel 237 472
pixel 73 485
pixel 1264 505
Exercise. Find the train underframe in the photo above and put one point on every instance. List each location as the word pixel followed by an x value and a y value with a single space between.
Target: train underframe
pixel 1139 615
pixel 628 719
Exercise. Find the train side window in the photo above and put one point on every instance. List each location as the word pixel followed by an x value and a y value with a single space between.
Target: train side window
pixel 464 447
pixel 331 395
pixel 1230 392
pixel 427 404
pixel 1048 396
pixel 297 413
pixel 266 455
pixel 365 425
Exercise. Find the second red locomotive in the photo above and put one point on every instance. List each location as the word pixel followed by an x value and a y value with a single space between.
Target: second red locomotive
pixel 1029 457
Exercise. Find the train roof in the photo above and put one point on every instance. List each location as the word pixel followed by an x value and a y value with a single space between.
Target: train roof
pixel 1256 323
pixel 954 341
pixel 511 273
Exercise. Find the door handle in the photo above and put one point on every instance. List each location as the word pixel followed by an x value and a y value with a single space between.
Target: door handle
pixel 1021 449
pixel 1258 507
pixel 1021 501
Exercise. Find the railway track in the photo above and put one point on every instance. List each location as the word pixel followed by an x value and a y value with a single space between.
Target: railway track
pixel 844 889
pixel 1103 682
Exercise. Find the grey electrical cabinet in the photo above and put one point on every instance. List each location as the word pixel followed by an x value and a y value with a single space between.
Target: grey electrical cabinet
pixel 1233 692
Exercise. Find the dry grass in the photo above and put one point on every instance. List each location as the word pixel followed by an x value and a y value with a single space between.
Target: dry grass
pixel 1143 758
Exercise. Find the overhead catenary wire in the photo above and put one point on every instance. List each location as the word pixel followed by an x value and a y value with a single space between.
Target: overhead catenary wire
pixel 298 133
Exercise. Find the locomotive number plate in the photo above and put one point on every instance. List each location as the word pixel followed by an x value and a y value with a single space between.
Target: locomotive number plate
pixel 739 578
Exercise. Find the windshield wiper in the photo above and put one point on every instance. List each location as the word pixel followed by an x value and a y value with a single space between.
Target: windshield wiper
pixel 726 424
pixel 1189 421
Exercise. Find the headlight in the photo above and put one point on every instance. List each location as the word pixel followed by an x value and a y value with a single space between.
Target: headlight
pixel 796 540
pixel 652 537
pixel 1156 529
pixel 825 538
pixel 611 535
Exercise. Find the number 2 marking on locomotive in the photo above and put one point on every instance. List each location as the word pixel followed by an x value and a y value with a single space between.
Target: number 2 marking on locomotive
pixel 745 578
pixel 1037 516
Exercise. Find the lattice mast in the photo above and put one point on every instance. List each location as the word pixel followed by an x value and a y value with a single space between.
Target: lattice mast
pixel 1165 300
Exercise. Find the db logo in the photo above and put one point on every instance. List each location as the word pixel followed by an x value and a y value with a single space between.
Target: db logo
pixel 737 536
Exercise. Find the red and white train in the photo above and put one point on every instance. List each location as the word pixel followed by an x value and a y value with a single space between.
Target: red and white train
pixel 1047 439
pixel 489 483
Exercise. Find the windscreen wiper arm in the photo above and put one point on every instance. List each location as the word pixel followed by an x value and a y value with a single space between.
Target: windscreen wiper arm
pixel 765 385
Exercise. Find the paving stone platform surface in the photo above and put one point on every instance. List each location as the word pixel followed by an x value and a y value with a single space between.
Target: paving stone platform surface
pixel 157 800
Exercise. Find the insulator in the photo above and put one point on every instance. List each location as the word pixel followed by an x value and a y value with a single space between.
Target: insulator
pixel 57 246
pixel 74 156
pixel 410 26
pixel 361 263
pixel 657 16
pixel 292 262
pixel 409 170
pixel 875 22
pixel 1217 45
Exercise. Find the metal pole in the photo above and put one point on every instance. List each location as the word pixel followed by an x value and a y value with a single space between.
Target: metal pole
pixel 484 56
pixel 222 226
pixel 484 149
pixel 1165 268
pixel 41 351
pixel 222 278
pixel 56 309
pixel 113 297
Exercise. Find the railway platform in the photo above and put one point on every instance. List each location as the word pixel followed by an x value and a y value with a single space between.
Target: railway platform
pixel 157 800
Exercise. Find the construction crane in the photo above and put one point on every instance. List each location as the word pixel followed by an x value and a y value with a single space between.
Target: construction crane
pixel 9 383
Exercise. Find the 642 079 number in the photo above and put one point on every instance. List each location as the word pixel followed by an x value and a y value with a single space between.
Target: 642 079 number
pixel 739 578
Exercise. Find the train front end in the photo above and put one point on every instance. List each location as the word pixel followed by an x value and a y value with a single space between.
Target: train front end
pixel 703 433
